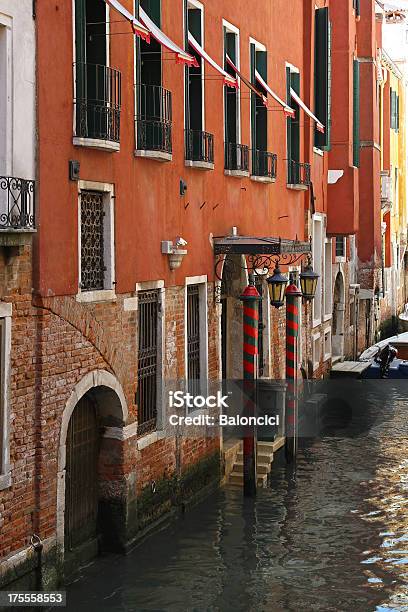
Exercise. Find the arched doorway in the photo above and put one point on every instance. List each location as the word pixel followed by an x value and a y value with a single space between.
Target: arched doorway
pixel 81 476
pixel 338 317
pixel 87 496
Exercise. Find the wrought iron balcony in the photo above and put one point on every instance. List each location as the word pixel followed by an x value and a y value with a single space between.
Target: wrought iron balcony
pixel 236 157
pixel 17 204
pixel 298 173
pixel 97 102
pixel 199 146
pixel 154 118
pixel 264 164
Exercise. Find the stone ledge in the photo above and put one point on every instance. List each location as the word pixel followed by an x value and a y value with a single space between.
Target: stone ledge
pixel 17 237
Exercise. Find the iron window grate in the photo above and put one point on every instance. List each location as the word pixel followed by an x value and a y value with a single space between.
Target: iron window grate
pixel 92 242
pixel 193 339
pixel 147 361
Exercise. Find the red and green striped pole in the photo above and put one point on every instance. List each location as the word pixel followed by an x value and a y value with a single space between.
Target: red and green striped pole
pixel 250 299
pixel 293 294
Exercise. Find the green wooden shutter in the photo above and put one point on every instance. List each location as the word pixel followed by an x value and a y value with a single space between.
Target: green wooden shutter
pixel 253 99
pixel 356 113
pixel 288 124
pixel 153 9
pixel 295 145
pixel 322 75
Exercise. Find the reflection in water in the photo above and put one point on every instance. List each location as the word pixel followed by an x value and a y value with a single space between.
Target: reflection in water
pixel 330 534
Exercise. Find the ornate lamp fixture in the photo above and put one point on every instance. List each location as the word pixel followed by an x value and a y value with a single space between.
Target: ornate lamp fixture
pixel 277 284
pixel 308 281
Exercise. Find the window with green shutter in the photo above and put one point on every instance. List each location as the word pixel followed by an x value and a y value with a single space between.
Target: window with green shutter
pixel 323 76
pixel 293 126
pixel 356 113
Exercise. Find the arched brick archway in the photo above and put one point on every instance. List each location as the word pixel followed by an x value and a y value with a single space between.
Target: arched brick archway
pixel 106 394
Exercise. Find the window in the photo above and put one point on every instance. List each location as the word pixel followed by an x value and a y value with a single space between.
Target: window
pixel 293 125
pixel 196 334
pixel 153 102
pixel 5 348
pixel 199 145
pixel 96 242
pixel 236 155
pixel 356 7
pixel 328 279
pixel 147 372
pixel 340 246
pixel 317 246
pixel 97 86
pixel 394 110
pixel 5 98
pixel 259 112
pixel 323 76
pixel 356 113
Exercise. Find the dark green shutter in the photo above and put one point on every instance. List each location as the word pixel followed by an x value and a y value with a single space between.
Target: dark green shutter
pixel 295 146
pixel 153 9
pixel 356 113
pixel 322 75
pixel 288 124
pixel 253 98
pixel 261 59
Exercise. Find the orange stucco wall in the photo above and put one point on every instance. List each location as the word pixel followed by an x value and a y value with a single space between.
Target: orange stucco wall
pixel 148 207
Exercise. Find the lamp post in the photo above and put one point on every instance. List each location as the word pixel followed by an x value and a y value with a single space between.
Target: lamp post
pixel 250 299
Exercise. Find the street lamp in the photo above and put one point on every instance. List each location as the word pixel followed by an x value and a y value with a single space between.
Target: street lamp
pixel 277 284
pixel 308 281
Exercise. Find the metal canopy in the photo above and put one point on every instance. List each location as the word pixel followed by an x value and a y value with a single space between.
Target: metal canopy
pixel 252 245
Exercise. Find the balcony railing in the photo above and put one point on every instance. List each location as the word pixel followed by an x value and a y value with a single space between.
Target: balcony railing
pixel 264 164
pixel 17 203
pixel 236 157
pixel 298 173
pixel 199 146
pixel 97 102
pixel 154 118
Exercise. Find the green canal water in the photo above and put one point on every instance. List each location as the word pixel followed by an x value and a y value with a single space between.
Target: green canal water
pixel 330 534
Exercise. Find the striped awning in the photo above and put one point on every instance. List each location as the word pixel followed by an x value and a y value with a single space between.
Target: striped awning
pixel 138 28
pixel 182 57
pixel 298 100
pixel 246 81
pixel 228 79
pixel 287 110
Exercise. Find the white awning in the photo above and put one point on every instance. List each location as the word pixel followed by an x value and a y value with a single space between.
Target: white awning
pixel 246 81
pixel 307 110
pixel 182 57
pixel 228 79
pixel 287 110
pixel 137 27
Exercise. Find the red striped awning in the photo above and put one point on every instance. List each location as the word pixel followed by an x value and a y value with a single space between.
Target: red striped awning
pixel 138 28
pixel 298 100
pixel 246 81
pixel 182 57
pixel 228 79
pixel 287 110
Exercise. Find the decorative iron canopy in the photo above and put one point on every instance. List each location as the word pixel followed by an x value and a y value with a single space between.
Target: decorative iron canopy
pixel 251 245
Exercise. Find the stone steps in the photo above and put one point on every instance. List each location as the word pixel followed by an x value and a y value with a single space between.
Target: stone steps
pixel 265 451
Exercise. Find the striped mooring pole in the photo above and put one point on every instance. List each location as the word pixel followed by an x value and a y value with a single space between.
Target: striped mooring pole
pixel 250 299
pixel 293 294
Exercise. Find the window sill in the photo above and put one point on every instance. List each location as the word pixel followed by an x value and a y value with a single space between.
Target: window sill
pixel 340 259
pixel 262 179
pixel 149 439
pixel 160 156
pixel 318 151
pixel 89 297
pixel 237 173
pixel 5 481
pixel 296 187
pixel 94 143
pixel 16 237
pixel 200 165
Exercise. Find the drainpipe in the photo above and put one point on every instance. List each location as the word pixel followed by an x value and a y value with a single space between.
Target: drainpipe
pixel 37 545
pixel 250 299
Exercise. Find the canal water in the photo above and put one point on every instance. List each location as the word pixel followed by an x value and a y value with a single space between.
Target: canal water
pixel 329 534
